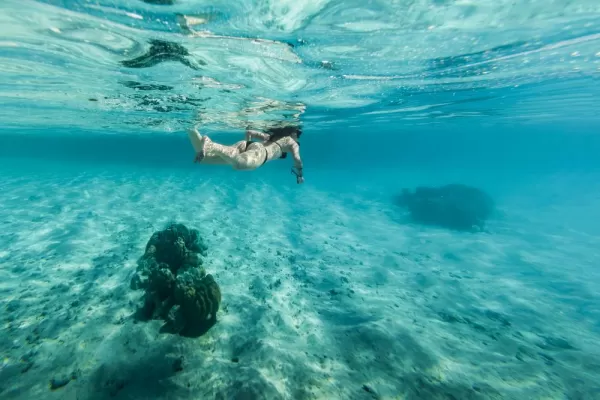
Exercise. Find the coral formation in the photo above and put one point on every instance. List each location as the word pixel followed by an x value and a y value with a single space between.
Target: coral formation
pixel 453 206
pixel 177 288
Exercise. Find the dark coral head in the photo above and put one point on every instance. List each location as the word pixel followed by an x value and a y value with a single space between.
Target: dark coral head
pixel 213 287
pixel 454 206
pixel 177 287
pixel 173 245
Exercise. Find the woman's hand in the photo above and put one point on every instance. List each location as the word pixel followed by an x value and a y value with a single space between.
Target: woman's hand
pixel 298 173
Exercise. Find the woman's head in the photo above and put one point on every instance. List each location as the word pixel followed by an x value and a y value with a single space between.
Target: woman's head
pixel 282 131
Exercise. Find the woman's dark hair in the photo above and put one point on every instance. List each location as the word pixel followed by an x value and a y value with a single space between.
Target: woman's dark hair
pixel 283 131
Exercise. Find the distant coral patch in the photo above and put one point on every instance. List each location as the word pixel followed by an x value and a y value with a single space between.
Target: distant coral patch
pixel 453 206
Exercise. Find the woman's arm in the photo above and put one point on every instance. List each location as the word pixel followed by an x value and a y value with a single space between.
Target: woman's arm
pixel 252 134
pixel 294 148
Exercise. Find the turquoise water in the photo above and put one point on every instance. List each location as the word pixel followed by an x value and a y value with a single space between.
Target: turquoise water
pixel 330 290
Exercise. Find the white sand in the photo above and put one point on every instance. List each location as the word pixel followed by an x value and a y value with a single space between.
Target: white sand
pixel 323 292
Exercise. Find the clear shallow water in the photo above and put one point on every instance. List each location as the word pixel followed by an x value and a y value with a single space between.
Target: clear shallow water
pixel 329 292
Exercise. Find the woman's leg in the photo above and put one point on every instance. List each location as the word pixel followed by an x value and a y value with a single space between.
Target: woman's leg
pixel 241 145
pixel 252 158
pixel 196 139
pixel 209 152
pixel 198 142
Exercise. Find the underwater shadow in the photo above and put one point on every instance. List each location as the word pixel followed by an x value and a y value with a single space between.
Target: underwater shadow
pixel 191 331
pixel 384 361
pixel 147 377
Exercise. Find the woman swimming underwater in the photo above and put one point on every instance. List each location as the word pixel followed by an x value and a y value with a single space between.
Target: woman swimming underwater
pixel 249 154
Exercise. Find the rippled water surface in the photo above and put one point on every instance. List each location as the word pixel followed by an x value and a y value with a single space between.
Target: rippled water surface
pixel 155 64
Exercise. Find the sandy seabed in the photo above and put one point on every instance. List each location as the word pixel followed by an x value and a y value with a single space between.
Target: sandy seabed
pixel 326 294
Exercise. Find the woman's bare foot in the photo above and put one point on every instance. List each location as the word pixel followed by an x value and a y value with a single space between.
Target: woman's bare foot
pixel 201 152
pixel 197 142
